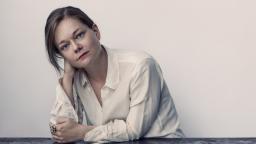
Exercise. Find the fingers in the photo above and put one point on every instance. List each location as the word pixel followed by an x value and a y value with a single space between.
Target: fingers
pixel 62 123
pixel 60 120
pixel 59 128
pixel 55 137
pixel 58 139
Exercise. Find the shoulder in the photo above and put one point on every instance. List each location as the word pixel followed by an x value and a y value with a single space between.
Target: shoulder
pixel 140 61
pixel 136 57
pixel 132 62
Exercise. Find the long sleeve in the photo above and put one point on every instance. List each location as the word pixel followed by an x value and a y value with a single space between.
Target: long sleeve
pixel 145 96
pixel 62 106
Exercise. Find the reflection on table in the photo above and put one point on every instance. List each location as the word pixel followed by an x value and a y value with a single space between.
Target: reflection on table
pixel 142 141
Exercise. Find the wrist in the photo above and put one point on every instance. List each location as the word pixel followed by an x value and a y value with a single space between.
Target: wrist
pixel 67 80
pixel 68 76
pixel 84 130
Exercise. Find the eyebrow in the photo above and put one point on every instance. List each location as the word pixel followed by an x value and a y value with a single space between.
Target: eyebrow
pixel 74 32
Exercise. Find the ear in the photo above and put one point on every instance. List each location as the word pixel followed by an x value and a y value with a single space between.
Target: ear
pixel 96 30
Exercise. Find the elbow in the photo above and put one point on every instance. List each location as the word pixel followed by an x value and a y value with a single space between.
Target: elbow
pixel 134 133
pixel 179 134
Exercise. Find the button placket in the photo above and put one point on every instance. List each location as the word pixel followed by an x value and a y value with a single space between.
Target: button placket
pixel 99 107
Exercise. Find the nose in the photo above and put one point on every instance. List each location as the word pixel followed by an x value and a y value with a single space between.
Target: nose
pixel 76 46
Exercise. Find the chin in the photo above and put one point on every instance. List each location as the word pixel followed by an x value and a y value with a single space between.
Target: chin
pixel 83 64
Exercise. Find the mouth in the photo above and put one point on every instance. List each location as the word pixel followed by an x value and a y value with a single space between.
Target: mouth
pixel 82 56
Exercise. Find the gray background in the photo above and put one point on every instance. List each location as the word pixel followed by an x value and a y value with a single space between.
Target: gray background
pixel 206 49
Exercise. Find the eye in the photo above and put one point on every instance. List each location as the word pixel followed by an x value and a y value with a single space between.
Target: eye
pixel 80 35
pixel 65 46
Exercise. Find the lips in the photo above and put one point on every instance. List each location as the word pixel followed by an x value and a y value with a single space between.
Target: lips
pixel 83 55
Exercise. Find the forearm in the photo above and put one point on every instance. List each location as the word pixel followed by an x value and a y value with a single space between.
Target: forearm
pixel 67 84
pixel 113 131
pixel 83 130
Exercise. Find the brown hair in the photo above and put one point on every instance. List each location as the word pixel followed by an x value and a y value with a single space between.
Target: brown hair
pixel 55 17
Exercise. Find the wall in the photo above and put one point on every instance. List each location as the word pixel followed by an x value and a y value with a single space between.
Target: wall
pixel 206 50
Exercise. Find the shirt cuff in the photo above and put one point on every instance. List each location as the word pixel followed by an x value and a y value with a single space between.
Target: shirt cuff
pixel 114 131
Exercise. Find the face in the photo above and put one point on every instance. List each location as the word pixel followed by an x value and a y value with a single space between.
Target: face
pixel 77 43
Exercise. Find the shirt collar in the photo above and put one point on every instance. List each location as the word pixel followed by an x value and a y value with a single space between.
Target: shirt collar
pixel 112 78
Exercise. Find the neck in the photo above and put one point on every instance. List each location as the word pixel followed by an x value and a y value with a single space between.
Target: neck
pixel 97 71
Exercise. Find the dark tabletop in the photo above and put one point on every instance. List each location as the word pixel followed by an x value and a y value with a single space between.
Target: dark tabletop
pixel 142 141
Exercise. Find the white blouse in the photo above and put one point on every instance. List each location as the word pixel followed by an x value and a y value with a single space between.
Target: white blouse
pixel 135 101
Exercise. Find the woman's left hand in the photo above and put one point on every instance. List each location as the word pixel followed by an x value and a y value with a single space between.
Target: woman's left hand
pixel 68 130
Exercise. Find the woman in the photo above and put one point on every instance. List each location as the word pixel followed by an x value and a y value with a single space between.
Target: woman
pixel 105 95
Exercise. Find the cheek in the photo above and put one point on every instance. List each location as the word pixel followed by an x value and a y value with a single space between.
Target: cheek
pixel 64 55
pixel 93 41
pixel 68 57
